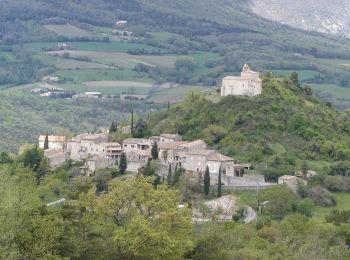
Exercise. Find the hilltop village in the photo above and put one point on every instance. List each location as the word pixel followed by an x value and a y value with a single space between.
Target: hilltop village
pixel 97 152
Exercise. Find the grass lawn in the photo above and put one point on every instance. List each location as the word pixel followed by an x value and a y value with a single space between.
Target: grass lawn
pixel 343 203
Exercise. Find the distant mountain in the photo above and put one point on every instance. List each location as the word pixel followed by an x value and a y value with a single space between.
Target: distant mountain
pixel 317 15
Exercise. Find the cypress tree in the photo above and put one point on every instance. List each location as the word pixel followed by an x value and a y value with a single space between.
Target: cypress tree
pixel 169 177
pixel 113 128
pixel 219 191
pixel 168 105
pixel 176 175
pixel 46 142
pixel 123 165
pixel 206 181
pixel 132 122
pixel 154 151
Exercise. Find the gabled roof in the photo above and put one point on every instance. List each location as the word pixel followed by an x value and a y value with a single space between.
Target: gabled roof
pixel 52 138
pixel 203 152
pixel 219 157
pixel 193 144
pixel 171 145
pixel 141 141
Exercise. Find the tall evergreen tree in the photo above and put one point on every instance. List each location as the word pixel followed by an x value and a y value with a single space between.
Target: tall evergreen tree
pixel 168 105
pixel 154 151
pixel 46 142
pixel 123 165
pixel 219 190
pixel 132 122
pixel 169 177
pixel 206 183
pixel 113 128
pixel 176 175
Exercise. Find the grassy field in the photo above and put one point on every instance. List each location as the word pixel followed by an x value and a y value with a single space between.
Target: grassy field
pixel 93 46
pixel 303 74
pixel 78 65
pixel 175 94
pixel 68 30
pixel 120 59
pixel 343 203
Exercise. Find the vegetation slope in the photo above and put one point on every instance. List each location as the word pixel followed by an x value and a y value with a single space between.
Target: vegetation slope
pixel 282 127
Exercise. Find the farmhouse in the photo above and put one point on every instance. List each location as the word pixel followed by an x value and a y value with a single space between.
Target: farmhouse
pixel 55 142
pixel 248 84
pixel 291 181
pixel 137 144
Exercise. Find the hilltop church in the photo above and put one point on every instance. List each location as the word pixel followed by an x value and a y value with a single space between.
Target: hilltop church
pixel 248 84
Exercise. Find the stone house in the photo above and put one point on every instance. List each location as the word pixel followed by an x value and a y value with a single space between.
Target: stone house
pixel 85 145
pixel 181 151
pixel 113 150
pixel 217 161
pixel 169 138
pixel 197 161
pixel 137 144
pixel 55 142
pixel 167 151
pixel 137 159
pixel 56 157
pixel 291 181
pixel 96 163
pixel 248 84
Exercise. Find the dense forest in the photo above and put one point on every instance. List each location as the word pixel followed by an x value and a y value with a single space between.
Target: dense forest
pixel 283 127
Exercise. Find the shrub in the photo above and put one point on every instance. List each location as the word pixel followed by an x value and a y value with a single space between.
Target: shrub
pixel 337 183
pixel 322 197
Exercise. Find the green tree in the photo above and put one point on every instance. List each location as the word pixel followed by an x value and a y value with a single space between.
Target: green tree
pixel 219 190
pixel 123 164
pixel 147 223
pixel 113 127
pixel 140 128
pixel 282 200
pixel 132 122
pixel 154 151
pixel 32 157
pixel 305 207
pixel 170 177
pixel 177 174
pixel 43 169
pixel 46 142
pixel 206 183
pixel 294 77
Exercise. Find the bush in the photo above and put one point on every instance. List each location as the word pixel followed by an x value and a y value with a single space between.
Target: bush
pixel 305 207
pixel 337 183
pixel 322 197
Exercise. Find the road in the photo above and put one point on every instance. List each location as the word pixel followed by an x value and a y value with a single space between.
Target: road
pixel 250 215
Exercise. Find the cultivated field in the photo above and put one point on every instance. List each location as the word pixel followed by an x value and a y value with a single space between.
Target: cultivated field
pixel 117 84
pixel 120 59
pixel 68 30
pixel 77 65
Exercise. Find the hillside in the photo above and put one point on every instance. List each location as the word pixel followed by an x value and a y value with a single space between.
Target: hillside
pixel 316 15
pixel 283 127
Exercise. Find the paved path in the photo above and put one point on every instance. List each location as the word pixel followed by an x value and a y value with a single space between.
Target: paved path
pixel 250 215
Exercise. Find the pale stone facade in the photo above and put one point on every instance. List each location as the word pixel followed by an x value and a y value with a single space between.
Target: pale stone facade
pixel 55 142
pixel 291 181
pixel 56 157
pixel 169 138
pixel 248 84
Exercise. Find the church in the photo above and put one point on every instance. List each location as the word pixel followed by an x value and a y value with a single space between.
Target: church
pixel 248 84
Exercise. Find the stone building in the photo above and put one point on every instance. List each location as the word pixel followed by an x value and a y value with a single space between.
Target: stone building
pixel 55 142
pixel 56 157
pixel 248 84
pixel 169 138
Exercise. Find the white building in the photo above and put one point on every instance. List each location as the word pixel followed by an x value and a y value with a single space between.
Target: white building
pixel 55 142
pixel 248 84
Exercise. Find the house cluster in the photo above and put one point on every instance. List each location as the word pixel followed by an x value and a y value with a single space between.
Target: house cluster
pixel 248 84
pixel 98 153
pixel 47 90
